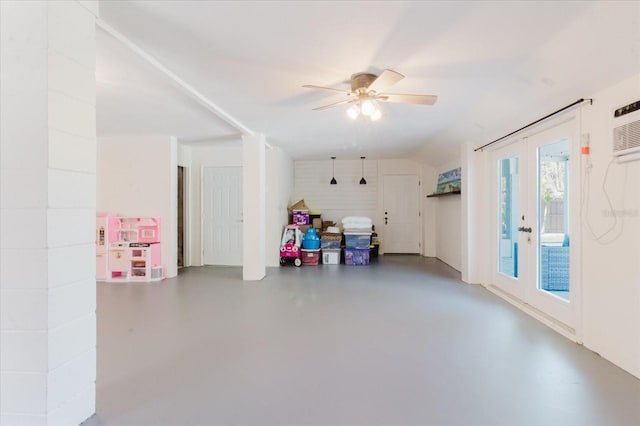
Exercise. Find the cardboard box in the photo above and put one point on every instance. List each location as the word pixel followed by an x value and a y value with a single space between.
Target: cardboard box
pixel 300 217
pixel 327 223
pixel 303 228
pixel 300 205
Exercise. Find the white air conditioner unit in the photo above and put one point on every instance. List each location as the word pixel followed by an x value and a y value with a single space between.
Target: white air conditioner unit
pixel 626 132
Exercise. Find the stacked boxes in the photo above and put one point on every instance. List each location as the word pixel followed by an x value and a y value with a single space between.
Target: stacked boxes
pixel 330 244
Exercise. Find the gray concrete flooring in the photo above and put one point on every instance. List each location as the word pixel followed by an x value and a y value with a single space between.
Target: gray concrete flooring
pixel 399 342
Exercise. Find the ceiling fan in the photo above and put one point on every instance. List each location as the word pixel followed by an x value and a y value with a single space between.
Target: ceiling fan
pixel 369 89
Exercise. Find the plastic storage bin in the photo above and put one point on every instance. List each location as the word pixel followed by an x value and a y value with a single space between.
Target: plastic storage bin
pixel 360 240
pixel 356 256
pixel 331 256
pixel 310 257
pixel 330 244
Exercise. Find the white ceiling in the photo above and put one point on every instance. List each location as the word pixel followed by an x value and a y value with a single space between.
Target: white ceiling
pixel 495 66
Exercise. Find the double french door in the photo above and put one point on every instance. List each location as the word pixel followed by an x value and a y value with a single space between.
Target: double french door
pixel 534 206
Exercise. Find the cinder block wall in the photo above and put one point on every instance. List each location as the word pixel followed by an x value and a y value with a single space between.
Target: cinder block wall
pixel 47 258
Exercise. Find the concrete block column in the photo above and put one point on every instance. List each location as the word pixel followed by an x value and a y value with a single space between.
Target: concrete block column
pixel 254 207
pixel 47 212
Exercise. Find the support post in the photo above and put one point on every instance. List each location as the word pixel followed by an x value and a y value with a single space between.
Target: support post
pixel 254 207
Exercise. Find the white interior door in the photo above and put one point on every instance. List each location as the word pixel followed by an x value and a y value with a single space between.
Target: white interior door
pixel 222 215
pixel 401 219
pixel 532 255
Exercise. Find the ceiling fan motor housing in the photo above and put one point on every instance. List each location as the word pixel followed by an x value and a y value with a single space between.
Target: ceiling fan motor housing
pixel 361 81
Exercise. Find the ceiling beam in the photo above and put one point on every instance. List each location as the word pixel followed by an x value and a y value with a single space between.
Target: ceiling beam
pixel 187 88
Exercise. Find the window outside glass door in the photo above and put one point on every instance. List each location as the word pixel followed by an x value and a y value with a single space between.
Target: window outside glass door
pixel 553 218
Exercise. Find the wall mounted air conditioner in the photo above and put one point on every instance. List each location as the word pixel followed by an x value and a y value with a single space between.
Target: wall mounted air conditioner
pixel 626 132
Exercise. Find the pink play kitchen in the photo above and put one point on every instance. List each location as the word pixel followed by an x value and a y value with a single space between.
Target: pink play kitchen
pixel 128 249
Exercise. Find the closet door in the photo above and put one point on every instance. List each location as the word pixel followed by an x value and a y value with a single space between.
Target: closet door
pixel 222 215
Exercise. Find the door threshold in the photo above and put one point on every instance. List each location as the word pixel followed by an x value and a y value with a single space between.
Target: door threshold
pixel 558 326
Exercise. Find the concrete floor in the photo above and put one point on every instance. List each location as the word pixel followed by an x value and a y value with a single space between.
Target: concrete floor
pixel 399 342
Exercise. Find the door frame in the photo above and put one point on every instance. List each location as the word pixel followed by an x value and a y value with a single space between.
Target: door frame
pixel 186 227
pixel 529 300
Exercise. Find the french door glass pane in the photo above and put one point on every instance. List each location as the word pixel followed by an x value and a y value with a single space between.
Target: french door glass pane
pixel 553 218
pixel 508 220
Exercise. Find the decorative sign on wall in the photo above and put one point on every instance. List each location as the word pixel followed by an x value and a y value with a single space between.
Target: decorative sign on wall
pixel 449 181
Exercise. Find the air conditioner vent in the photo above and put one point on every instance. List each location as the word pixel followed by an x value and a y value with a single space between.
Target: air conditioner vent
pixel 626 129
pixel 627 136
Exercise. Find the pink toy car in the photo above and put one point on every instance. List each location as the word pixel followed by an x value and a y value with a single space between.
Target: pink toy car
pixel 290 246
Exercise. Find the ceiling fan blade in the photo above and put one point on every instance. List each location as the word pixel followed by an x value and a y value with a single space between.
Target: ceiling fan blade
pixel 408 99
pixel 346 101
pixel 385 80
pixel 311 86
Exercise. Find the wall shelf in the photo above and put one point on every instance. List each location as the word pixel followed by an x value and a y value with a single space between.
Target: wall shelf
pixel 442 194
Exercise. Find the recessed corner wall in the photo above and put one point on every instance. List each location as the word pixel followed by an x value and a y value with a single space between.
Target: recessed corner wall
pixel 279 196
pixel 448 225
pixel 137 176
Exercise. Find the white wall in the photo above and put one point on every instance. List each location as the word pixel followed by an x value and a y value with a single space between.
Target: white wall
pixel 47 220
pixel 347 197
pixel 475 215
pixel 448 227
pixel 429 219
pixel 137 176
pixel 611 266
pixel 279 197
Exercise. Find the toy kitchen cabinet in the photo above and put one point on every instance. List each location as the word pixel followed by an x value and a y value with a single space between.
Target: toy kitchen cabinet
pixel 128 249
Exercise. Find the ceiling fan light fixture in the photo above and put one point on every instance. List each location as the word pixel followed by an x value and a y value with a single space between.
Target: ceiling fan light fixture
pixel 369 89
pixel 353 111
pixel 368 107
